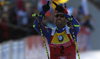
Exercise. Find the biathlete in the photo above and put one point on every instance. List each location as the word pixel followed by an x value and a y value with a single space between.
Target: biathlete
pixel 60 39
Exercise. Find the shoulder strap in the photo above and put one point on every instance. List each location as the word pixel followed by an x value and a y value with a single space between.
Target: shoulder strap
pixel 67 29
pixel 68 33
pixel 53 31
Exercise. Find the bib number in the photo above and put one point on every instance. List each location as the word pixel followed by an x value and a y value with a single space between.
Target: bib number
pixel 61 51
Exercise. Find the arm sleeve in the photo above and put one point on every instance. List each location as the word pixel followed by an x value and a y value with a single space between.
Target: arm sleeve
pixel 75 23
pixel 76 26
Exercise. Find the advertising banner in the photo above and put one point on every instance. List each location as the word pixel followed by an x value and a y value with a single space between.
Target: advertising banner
pixel 21 49
pixel 34 48
pixel 0 51
pixel 15 50
pixel 6 50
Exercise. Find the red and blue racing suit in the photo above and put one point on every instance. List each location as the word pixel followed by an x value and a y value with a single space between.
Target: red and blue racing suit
pixel 59 49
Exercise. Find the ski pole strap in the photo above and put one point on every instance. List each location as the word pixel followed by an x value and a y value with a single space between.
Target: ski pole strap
pixel 44 43
pixel 70 19
pixel 33 15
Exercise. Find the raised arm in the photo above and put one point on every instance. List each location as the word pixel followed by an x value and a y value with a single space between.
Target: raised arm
pixel 75 24
pixel 37 23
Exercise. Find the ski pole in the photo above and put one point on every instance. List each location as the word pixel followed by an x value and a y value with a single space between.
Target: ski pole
pixel 33 15
pixel 74 37
pixel 44 44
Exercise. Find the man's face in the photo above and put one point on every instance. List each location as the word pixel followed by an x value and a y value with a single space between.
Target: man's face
pixel 60 20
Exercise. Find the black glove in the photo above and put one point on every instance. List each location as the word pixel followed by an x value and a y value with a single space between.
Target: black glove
pixel 59 8
pixel 46 7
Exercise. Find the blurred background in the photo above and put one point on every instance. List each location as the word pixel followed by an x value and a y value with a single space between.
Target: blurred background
pixel 19 40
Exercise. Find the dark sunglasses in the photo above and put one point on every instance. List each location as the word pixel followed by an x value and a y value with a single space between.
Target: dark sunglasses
pixel 61 15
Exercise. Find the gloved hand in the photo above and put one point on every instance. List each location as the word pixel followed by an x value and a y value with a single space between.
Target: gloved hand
pixel 59 8
pixel 46 7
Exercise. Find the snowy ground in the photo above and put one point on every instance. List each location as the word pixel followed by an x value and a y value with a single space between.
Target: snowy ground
pixel 93 54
